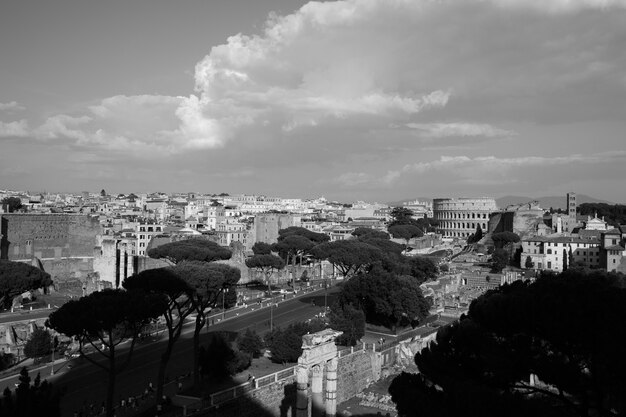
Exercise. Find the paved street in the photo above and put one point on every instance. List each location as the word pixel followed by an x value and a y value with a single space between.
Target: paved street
pixel 21 316
pixel 85 383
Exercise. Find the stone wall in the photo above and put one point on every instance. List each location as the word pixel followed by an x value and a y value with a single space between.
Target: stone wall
pixel 523 222
pixel 277 399
pixel 356 372
pixel 63 244
pixel 22 328
pixel 48 236
pixel 267 225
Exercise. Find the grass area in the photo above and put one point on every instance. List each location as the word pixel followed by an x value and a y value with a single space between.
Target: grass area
pixel 260 367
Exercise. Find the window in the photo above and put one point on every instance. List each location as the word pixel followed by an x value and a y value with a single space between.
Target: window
pixel 549 252
pixel 549 265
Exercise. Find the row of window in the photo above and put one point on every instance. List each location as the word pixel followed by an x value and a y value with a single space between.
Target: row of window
pixel 150 228
pixel 452 215
pixel 472 225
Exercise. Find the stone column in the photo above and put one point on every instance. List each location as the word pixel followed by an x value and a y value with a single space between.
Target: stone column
pixel 317 395
pixel 331 387
pixel 302 386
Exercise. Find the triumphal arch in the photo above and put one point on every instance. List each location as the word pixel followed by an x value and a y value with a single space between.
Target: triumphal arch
pixel 319 352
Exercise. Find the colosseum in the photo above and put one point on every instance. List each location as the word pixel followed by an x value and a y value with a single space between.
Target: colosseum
pixel 459 217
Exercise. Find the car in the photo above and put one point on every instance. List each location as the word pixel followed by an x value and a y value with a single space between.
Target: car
pixel 72 355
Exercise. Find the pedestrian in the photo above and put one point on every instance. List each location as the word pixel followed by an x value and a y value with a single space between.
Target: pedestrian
pixel 180 386
pixel 123 403
pixel 150 387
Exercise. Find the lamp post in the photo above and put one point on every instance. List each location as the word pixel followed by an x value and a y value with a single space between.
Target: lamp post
pixel 224 291
pixel 325 296
pixel 51 354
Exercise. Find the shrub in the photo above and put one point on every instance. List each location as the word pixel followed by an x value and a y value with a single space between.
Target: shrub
pixel 250 342
pixel 286 345
pixel 220 360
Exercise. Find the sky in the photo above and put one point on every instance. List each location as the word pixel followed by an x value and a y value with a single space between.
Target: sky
pixel 374 100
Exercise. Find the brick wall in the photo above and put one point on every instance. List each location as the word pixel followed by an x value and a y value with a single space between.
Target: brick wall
pixel 64 243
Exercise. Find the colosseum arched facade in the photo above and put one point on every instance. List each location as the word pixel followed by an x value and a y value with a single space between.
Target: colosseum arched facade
pixel 459 217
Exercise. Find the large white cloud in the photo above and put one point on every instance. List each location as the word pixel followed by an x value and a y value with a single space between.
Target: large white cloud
pixel 395 61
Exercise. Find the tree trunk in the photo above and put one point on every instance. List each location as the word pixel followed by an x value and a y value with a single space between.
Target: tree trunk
pixel 165 357
pixel 200 322
pixel 111 382
pixel 293 271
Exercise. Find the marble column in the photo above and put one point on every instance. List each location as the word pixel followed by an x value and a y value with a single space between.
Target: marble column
pixel 331 387
pixel 302 386
pixel 317 390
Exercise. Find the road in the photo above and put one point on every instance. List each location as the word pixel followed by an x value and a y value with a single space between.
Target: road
pixel 85 383
pixel 25 316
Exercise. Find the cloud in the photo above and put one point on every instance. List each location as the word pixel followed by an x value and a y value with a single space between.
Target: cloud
pixel 144 124
pixel 62 126
pixel 11 106
pixel 338 91
pixel 330 64
pixel 14 129
pixel 559 6
pixel 493 170
pixel 443 130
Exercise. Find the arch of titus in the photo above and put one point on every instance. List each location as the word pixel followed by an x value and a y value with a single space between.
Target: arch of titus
pixel 318 352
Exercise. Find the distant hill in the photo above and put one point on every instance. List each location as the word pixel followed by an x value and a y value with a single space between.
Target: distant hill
pixel 502 202
pixel 547 202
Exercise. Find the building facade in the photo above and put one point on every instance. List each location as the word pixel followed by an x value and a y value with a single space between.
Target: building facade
pixel 145 232
pixel 459 217
pixel 548 253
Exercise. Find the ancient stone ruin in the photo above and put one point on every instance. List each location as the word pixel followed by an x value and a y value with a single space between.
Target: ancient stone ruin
pixel 319 352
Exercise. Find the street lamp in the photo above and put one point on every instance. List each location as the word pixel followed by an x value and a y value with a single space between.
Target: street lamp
pixel 224 291
pixel 51 354
pixel 325 295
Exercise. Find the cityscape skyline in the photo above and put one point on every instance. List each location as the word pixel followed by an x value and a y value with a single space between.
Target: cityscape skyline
pixel 353 100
